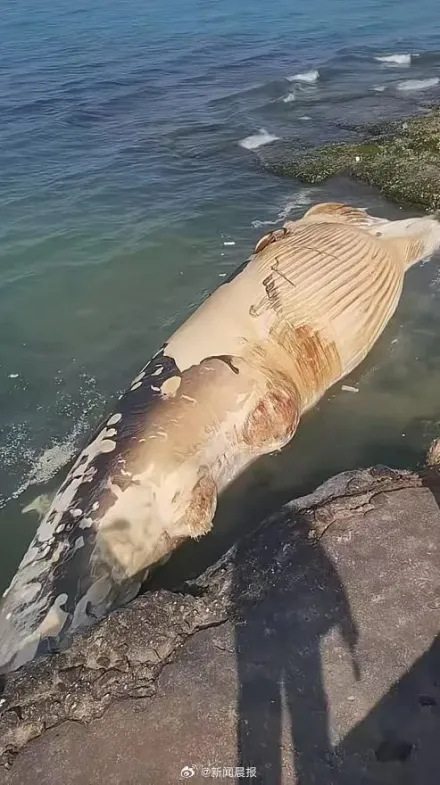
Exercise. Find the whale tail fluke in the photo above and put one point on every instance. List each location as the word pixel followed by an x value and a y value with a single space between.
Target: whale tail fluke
pixel 412 239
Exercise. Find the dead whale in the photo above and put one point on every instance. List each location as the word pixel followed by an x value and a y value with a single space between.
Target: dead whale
pixel 229 386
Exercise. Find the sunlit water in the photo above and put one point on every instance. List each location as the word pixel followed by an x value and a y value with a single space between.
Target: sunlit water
pixel 131 148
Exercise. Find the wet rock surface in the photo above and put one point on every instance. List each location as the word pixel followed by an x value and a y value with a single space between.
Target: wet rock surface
pixel 401 158
pixel 308 654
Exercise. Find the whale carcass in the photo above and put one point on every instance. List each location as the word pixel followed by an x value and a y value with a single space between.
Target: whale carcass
pixel 229 386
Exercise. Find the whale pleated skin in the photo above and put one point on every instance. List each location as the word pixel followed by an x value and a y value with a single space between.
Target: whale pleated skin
pixel 229 386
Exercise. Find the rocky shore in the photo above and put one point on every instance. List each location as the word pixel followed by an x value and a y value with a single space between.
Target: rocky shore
pixel 307 654
pixel 401 158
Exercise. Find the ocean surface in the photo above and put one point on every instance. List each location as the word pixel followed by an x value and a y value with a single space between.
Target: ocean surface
pixel 133 143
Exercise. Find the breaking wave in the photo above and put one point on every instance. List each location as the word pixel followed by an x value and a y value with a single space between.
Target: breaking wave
pixel 395 59
pixel 308 77
pixel 418 84
pixel 254 141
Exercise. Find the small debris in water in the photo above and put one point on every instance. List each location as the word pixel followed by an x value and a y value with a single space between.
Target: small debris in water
pixel 348 388
pixel 229 242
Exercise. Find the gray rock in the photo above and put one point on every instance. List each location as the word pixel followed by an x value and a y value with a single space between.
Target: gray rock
pixel 401 158
pixel 308 653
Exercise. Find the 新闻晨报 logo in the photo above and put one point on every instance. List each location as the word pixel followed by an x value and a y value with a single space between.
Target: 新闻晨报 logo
pixel 187 772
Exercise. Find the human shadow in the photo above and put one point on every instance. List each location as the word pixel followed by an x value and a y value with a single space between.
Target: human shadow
pixel 397 742
pixel 288 597
pixel 280 627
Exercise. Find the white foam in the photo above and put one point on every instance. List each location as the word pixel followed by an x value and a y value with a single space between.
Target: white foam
pixel 403 59
pixel 254 141
pixel 257 224
pixel 308 77
pixel 289 98
pixel 38 466
pixel 380 88
pixel 54 458
pixel 305 117
pixel 44 465
pixel 301 199
pixel 418 84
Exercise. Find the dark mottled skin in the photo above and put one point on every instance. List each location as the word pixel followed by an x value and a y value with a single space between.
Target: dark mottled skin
pixel 134 406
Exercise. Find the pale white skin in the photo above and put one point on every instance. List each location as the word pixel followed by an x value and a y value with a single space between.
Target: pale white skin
pixel 230 385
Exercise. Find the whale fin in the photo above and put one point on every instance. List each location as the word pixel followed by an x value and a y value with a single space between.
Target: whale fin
pixel 271 237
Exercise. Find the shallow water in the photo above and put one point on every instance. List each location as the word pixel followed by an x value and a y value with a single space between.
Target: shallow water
pixel 131 150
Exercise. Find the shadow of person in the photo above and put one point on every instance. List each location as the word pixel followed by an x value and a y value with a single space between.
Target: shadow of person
pixel 280 625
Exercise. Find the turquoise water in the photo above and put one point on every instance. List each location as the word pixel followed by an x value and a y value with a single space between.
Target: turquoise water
pixel 128 158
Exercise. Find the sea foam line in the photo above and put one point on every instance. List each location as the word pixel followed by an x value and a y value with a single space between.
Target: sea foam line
pixel 303 198
pixel 300 200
